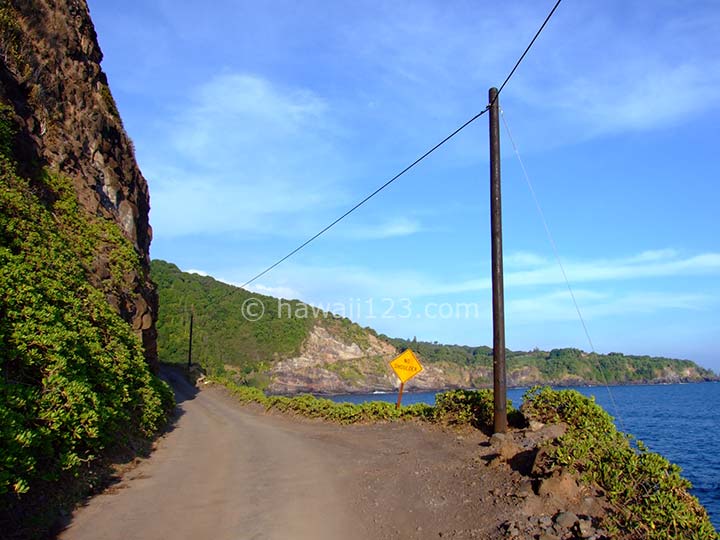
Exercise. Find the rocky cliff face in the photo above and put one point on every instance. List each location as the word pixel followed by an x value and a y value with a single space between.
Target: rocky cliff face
pixel 68 122
pixel 330 364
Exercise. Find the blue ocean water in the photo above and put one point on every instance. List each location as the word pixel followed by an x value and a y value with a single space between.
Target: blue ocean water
pixel 679 421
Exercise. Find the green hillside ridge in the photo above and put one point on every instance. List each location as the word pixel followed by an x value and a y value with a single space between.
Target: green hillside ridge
pixel 222 336
pixel 74 381
pixel 225 340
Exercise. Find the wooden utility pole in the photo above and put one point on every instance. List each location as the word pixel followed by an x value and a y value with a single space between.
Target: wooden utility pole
pixel 190 341
pixel 498 301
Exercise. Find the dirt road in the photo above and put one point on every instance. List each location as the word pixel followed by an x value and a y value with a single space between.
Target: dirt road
pixel 231 472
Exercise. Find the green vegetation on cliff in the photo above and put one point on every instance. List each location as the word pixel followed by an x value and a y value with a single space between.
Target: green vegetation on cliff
pixel 649 496
pixel 73 378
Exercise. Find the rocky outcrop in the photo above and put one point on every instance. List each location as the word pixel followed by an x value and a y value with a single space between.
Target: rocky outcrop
pixel 323 347
pixel 68 122
pixel 330 364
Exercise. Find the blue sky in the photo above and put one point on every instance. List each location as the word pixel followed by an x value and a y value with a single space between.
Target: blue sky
pixel 257 123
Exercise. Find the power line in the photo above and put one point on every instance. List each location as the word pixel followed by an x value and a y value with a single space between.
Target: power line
pixel 527 49
pixel 559 261
pixel 366 199
pixel 418 160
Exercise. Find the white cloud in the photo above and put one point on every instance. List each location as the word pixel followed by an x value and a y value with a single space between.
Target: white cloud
pixel 323 281
pixel 524 259
pixel 387 229
pixel 198 272
pixel 558 305
pixel 248 156
pixel 646 265
pixel 625 73
pixel 654 255
pixel 629 69
pixel 235 113
pixel 649 96
pixel 279 292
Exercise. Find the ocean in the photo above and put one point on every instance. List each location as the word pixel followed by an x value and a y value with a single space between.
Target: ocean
pixel 679 421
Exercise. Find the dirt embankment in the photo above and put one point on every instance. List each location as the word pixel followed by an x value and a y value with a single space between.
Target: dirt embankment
pixel 226 472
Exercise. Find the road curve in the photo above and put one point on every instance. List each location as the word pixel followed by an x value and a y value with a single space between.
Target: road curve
pixel 223 473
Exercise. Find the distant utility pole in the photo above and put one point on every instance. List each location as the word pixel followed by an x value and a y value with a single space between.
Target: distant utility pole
pixel 192 312
pixel 498 301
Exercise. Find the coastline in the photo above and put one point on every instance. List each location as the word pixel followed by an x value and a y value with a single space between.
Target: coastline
pixel 552 384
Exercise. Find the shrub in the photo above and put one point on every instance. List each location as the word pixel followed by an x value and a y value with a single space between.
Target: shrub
pixel 421 411
pixel 474 407
pixel 244 394
pixel 73 380
pixel 7 130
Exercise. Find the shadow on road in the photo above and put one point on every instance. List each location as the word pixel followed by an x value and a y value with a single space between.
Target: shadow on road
pixel 177 378
pixel 105 474
pixel 183 389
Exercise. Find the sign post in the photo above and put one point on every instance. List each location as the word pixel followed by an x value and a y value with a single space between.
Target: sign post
pixel 405 366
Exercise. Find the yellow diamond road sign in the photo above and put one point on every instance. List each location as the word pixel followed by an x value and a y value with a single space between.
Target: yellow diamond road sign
pixel 406 366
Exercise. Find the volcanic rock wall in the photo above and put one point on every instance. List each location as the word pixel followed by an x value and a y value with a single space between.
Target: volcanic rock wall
pixel 68 121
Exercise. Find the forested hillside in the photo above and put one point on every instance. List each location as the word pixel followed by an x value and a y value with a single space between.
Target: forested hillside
pixel 222 334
